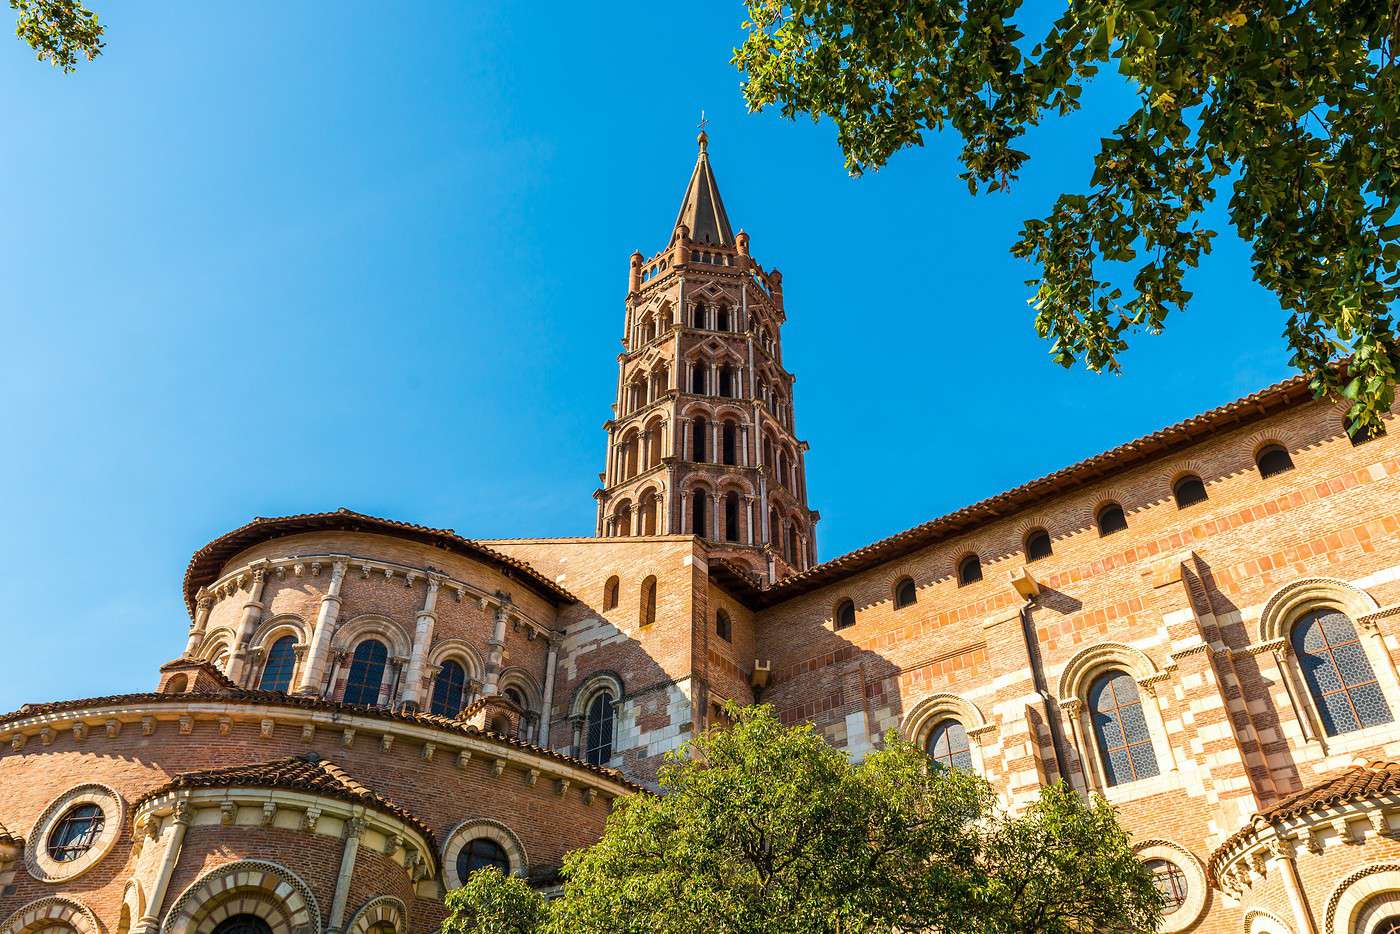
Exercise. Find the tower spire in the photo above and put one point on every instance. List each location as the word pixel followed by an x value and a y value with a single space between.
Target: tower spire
pixel 702 209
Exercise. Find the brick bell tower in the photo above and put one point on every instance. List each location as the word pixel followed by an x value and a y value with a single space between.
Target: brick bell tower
pixel 701 440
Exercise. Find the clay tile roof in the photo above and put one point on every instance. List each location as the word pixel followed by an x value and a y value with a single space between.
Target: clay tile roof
pixel 308 772
pixel 188 663
pixel 1282 395
pixel 1359 782
pixel 278 699
pixel 208 562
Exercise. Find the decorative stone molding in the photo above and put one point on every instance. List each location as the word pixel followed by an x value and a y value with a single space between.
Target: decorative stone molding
pixel 383 910
pixel 469 830
pixel 281 899
pixel 44 867
pixel 1356 893
pixel 1313 593
pixel 1081 669
pixel 51 912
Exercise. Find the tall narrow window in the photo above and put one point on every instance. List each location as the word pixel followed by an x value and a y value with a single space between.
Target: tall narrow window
pixel 281 659
pixel 699 500
pixel 702 319
pixel 730 443
pixel 775 528
pixel 794 550
pixel 1111 519
pixel 448 689
pixel 969 570
pixel 648 602
pixel 723 628
pixel 697 378
pixel 699 435
pixel 610 593
pixel 845 614
pixel 622 520
pixel 649 515
pixel 726 382
pixel 905 594
pixel 1188 491
pixel 731 516
pixel 722 318
pixel 598 728
pixel 948 746
pixel 1121 729
pixel 366 672
pixel 1273 460
pixel 1038 545
pixel 1339 675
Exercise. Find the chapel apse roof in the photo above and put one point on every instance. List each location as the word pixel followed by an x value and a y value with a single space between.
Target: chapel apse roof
pixel 307 772
pixel 1183 434
pixel 207 563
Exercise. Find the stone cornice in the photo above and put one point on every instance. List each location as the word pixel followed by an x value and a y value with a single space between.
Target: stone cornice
pixel 109 719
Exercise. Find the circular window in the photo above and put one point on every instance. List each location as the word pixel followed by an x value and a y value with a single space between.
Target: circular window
pixel 1389 926
pixel 76 831
pixel 1170 881
pixel 479 854
pixel 477 843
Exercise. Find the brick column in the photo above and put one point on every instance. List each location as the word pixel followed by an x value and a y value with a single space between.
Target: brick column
pixel 321 633
pixel 149 923
pixel 203 602
pixel 411 697
pixel 252 613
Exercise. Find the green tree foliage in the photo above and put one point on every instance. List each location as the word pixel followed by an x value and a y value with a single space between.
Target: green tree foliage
pixel 764 829
pixel 1290 105
pixel 59 31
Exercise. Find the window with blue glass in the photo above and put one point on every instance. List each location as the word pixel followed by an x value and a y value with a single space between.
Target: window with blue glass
pixel 1120 728
pixel 598 739
pixel 281 659
pixel 366 672
pixel 1339 675
pixel 948 746
pixel 449 687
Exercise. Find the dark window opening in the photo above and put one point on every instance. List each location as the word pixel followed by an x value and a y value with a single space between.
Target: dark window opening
pixel 697 513
pixel 1189 491
pixel 905 593
pixel 481 853
pixel 449 687
pixel 1360 434
pixel 1273 460
pixel 597 749
pixel 610 593
pixel 699 433
pixel 723 629
pixel 731 516
pixel 366 673
pixel 845 615
pixel 1111 519
pixel 1038 545
pixel 969 570
pixel 730 443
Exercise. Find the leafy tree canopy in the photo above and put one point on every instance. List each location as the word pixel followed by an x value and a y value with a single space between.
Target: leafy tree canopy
pixel 59 31
pixel 763 829
pixel 1291 105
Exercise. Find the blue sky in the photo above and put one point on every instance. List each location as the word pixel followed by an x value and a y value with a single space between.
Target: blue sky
pixel 265 258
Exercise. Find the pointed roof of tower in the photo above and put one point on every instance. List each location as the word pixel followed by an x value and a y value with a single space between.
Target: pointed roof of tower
pixel 702 209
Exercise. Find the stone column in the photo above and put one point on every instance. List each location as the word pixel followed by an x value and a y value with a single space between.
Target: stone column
pixel 149 923
pixel 335 922
pixel 1294 887
pixel 412 695
pixel 716 529
pixel 576 736
pixel 646 449
pixel 749 518
pixel 496 654
pixel 744 458
pixel 716 454
pixel 321 633
pixel 547 703
pixel 204 601
pixel 252 613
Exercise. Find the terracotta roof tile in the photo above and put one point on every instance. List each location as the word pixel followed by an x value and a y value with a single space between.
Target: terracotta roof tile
pixel 207 563
pixel 308 772
pixel 243 696
pixel 1359 782
pixel 1183 434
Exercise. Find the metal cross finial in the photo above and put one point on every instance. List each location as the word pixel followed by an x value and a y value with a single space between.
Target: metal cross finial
pixel 703 122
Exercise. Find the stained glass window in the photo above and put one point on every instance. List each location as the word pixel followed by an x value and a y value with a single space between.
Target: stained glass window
pixel 366 672
pixel 448 688
pixel 598 742
pixel 948 745
pixel 281 659
pixel 1170 881
pixel 1121 729
pixel 1338 673
pixel 1389 925
pixel 76 832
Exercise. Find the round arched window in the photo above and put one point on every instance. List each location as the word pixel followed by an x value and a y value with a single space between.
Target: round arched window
pixel 1389 925
pixel 243 924
pixel 1170 881
pixel 948 746
pixel 480 853
pixel 76 832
